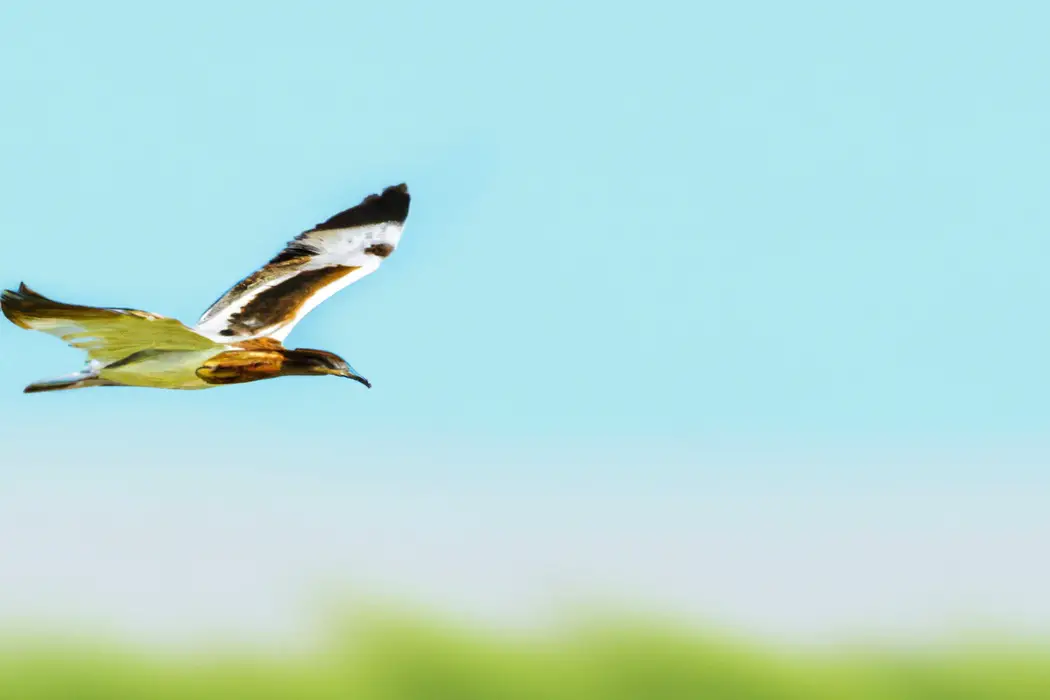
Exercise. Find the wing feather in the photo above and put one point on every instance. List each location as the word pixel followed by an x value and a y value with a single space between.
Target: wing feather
pixel 106 334
pixel 311 268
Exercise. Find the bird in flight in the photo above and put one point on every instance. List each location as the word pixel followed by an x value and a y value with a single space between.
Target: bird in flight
pixel 240 337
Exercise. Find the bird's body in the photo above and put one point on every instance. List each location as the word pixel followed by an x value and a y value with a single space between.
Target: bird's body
pixel 239 339
pixel 161 369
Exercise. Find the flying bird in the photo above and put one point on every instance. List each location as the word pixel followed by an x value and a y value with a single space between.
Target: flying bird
pixel 240 337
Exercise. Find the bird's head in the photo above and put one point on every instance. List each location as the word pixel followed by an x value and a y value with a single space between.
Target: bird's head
pixel 320 362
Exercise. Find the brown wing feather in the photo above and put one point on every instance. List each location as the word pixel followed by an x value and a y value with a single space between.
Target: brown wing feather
pixel 280 303
pixel 260 344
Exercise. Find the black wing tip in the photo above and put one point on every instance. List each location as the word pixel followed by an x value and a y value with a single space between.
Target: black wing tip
pixel 389 206
pixel 396 200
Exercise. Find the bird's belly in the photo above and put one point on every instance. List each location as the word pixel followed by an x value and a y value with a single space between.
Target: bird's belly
pixel 161 369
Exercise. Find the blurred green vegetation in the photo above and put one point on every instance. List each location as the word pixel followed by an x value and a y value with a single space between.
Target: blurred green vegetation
pixel 391 658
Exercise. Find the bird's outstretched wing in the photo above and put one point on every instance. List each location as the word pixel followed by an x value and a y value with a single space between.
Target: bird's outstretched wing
pixel 311 268
pixel 106 334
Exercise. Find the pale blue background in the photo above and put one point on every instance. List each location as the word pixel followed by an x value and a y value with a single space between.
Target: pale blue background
pixel 652 220
pixel 656 227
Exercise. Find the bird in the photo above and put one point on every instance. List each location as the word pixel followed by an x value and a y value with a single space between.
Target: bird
pixel 239 338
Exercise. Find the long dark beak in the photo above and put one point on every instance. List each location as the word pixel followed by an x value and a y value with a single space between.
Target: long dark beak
pixel 359 378
pixel 351 373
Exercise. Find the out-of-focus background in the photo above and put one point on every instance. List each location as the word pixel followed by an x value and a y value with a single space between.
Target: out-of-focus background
pixel 713 360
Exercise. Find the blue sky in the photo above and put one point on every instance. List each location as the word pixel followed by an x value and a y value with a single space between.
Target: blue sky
pixel 651 230
pixel 819 221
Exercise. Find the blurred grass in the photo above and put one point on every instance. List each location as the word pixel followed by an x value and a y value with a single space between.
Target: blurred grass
pixel 391 658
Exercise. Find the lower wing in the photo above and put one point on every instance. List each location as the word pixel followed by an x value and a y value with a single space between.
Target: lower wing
pixel 106 334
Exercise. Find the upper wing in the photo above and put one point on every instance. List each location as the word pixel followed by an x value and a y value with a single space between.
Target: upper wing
pixel 107 335
pixel 311 268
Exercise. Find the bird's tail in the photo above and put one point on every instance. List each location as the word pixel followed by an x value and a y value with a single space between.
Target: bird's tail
pixel 76 381
pixel 32 310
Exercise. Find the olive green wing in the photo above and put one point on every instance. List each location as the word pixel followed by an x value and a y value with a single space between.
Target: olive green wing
pixel 106 334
